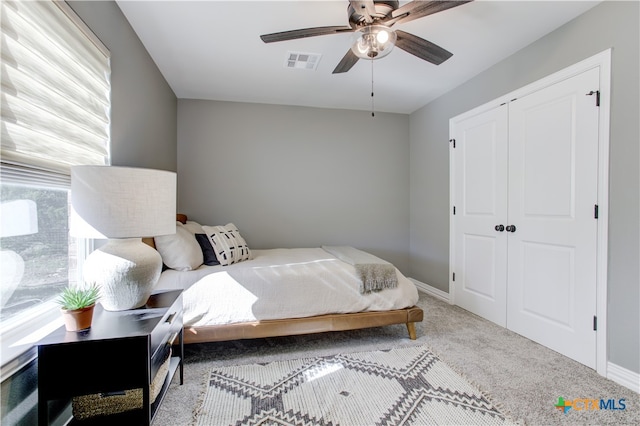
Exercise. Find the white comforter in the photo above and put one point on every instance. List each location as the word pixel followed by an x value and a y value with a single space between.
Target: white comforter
pixel 279 284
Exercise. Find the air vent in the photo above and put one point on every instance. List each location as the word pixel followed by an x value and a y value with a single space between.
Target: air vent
pixel 304 61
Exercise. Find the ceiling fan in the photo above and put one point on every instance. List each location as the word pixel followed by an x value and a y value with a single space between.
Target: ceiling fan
pixel 371 21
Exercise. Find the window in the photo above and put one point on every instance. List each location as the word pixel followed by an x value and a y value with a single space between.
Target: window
pixel 38 258
pixel 55 114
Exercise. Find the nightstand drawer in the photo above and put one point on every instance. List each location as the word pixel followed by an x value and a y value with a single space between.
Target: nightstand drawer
pixel 163 336
pixel 168 327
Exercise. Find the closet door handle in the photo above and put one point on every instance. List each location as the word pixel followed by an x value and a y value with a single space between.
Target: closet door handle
pixel 511 228
pixel 499 228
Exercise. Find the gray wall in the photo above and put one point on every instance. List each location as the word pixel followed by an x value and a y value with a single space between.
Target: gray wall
pixel 610 24
pixel 297 177
pixel 143 106
pixel 143 133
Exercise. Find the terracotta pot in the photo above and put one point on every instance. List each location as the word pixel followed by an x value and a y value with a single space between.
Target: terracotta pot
pixel 78 319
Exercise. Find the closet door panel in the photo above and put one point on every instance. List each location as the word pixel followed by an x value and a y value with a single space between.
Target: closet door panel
pixel 553 153
pixel 480 161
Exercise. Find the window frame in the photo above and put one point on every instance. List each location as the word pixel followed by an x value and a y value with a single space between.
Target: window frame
pixel 19 334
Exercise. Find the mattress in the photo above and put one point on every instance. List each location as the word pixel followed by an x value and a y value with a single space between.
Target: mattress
pixel 279 284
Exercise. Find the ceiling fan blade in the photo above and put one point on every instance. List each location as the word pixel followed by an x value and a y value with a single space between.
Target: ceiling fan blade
pixel 419 9
pixel 302 33
pixel 367 8
pixel 422 48
pixel 346 63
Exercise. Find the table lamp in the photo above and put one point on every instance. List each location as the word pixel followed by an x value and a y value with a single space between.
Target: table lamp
pixel 122 204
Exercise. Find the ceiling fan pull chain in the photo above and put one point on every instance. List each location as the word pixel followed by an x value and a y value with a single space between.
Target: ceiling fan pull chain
pixel 373 114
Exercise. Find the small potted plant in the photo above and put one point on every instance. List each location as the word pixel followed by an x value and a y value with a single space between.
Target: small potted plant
pixel 77 306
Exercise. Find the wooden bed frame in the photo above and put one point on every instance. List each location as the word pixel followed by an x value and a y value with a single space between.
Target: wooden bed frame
pixel 296 326
pixel 309 325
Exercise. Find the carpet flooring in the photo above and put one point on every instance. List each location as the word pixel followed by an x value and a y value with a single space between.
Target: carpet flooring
pixel 524 378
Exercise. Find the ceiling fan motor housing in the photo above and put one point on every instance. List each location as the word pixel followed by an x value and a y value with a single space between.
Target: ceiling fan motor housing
pixel 359 15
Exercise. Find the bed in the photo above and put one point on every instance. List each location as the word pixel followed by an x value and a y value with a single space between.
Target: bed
pixel 277 292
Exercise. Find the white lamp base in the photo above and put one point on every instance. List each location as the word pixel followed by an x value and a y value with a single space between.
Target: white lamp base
pixel 125 270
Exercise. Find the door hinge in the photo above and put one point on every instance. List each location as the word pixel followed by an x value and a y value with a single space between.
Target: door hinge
pixel 595 323
pixel 453 141
pixel 597 93
pixel 454 210
pixel 454 276
pixel 595 211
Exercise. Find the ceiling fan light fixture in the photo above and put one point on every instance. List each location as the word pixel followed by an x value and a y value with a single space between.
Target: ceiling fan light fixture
pixel 373 41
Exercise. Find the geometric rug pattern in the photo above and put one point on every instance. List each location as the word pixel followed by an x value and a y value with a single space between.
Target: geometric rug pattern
pixel 404 386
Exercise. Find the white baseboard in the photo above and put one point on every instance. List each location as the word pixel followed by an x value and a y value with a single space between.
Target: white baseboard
pixel 620 375
pixel 624 377
pixel 432 291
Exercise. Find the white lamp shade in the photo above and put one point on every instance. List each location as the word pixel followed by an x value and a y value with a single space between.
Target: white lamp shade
pixel 122 202
pixel 18 217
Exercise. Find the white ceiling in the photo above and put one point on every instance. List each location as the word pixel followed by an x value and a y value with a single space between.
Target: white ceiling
pixel 212 49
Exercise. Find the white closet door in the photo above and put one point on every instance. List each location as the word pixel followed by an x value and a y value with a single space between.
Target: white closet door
pixel 553 164
pixel 480 164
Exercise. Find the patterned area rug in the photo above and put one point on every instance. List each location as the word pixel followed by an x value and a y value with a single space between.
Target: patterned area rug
pixel 407 386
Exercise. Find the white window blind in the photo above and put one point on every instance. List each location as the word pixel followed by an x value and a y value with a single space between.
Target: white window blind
pixel 55 90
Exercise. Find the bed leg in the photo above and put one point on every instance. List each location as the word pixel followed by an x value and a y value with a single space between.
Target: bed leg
pixel 411 327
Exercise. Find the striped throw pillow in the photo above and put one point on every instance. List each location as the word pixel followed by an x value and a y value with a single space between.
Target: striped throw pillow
pixel 228 244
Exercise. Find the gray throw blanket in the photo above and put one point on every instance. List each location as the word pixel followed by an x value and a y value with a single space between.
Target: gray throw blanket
pixel 376 274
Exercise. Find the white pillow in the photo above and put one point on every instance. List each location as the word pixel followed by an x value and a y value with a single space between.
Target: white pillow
pixel 193 227
pixel 180 251
pixel 228 244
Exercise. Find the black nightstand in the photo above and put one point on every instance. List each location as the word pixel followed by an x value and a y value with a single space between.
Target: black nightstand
pixel 119 352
